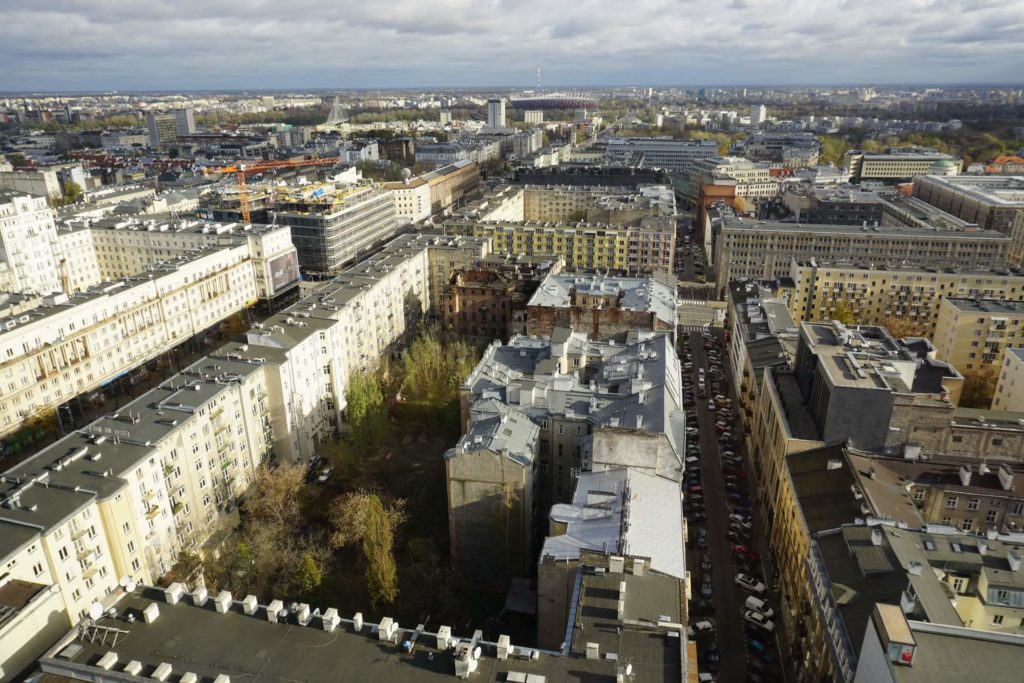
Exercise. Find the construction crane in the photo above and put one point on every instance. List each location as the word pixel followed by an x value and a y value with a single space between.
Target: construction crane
pixel 243 169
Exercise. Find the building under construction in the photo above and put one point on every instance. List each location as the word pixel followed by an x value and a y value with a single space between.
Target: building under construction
pixel 334 225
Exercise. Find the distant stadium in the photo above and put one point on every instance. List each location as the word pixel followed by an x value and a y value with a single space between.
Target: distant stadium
pixel 555 101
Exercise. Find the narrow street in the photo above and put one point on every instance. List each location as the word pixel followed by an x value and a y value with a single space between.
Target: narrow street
pixel 740 651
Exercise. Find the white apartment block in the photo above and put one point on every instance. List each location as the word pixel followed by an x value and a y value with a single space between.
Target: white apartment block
pixel 60 346
pixel 311 349
pixel 412 200
pixel 754 179
pixel 27 241
pixel 124 496
pixel 124 247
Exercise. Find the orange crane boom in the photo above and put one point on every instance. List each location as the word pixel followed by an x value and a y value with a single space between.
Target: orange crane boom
pixel 243 169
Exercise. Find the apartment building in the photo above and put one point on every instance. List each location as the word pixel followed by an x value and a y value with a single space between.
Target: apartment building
pixel 598 405
pixel 335 225
pixel 991 202
pixel 851 377
pixel 313 347
pixel 899 164
pixel 876 295
pixel 208 638
pixel 846 540
pixel 972 334
pixel 664 153
pixel 65 345
pixel 754 179
pixel 163 130
pixel 793 150
pixel 482 303
pixel 644 242
pixel 412 200
pixel 27 244
pixel 1009 396
pixel 604 307
pixel 123 247
pixel 121 497
pixel 762 250
pixel 625 513
pixel 451 185
pixel 1016 256
pixel 763 335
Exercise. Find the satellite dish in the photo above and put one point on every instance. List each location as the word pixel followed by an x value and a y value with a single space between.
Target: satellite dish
pixel 95 610
pixel 476 653
pixel 124 581
pixel 130 587
pixel 629 669
pixel 406 173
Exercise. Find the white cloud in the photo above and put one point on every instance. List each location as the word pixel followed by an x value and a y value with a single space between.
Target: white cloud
pixel 99 44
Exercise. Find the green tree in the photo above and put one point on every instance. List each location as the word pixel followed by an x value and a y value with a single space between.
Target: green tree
pixel 833 149
pixel 435 367
pixel 72 192
pixel 365 411
pixel 378 547
pixel 844 313
pixel 308 575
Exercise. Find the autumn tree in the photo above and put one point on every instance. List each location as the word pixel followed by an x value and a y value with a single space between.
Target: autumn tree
pixel 900 328
pixel 832 150
pixel 267 553
pixel 362 517
pixel 979 388
pixel 844 313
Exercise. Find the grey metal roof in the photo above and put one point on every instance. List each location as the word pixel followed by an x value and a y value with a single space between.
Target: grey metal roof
pixel 632 293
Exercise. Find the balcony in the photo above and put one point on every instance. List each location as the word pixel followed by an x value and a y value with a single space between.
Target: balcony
pixel 152 512
pixel 177 507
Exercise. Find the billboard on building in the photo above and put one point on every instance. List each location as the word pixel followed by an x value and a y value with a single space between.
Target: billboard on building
pixel 284 270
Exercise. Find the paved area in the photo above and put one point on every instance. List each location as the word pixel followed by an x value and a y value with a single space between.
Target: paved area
pixel 732 638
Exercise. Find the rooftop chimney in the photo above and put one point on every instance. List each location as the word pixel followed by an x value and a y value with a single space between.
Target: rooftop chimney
pixel 1006 477
pixel 1014 558
pixel 965 475
pixel 876 536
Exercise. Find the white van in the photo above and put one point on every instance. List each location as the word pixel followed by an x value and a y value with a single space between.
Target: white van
pixel 759 605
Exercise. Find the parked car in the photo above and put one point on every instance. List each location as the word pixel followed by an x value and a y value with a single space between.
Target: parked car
pixel 704 626
pixel 702 538
pixel 748 554
pixel 705 588
pixel 711 406
pixel 758 619
pixel 747 582
pixel 325 474
pixel 760 606
pixel 742 521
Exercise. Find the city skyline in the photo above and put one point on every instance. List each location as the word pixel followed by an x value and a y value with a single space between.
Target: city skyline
pixel 77 46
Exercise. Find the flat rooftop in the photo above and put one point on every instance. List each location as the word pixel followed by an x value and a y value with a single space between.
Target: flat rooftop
pixel 996 306
pixel 251 648
pixel 1000 190
pixel 948 654
pixel 909 232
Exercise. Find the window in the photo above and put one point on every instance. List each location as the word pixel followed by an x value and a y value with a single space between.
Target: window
pixel 951 503
pixel 919 495
pixel 972 503
pixel 967 524
pixel 991 515
pixel 135 565
pixel 997 619
pixel 1018 509
pixel 131 546
pixel 63 553
pixel 959 584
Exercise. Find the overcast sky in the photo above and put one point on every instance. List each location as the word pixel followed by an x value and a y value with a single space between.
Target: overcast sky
pixel 193 44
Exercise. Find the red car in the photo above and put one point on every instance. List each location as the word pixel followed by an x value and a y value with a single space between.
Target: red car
pixel 746 553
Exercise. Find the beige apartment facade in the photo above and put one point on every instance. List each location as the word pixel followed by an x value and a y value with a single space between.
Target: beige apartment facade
pixel 1009 393
pixel 878 295
pixel 973 334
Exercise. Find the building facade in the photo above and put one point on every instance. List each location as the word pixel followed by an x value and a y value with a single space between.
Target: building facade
pixel 972 334
pixel 991 202
pixel 28 240
pixel 1008 395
